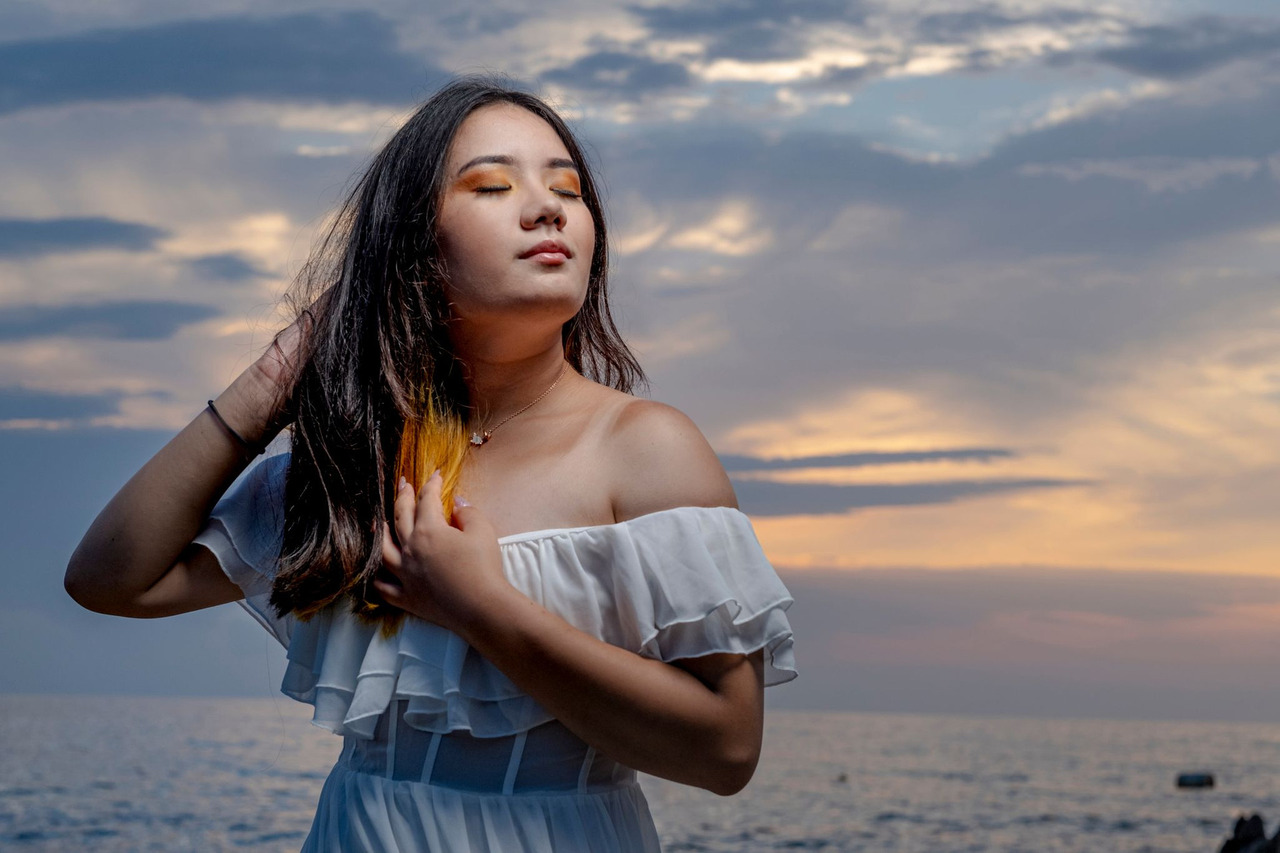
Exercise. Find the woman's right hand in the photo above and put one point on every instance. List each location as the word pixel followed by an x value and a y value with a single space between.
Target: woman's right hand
pixel 257 402
pixel 279 365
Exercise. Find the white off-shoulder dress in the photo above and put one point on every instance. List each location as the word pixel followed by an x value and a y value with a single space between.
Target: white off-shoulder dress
pixel 441 751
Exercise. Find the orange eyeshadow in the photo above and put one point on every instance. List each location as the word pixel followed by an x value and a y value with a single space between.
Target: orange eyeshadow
pixel 571 179
pixel 482 177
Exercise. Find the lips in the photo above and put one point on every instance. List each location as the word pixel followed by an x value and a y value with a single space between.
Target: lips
pixel 548 247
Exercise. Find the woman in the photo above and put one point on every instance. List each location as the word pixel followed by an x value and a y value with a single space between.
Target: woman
pixel 499 665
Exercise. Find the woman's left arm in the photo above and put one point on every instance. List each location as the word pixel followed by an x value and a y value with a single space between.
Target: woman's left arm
pixel 698 721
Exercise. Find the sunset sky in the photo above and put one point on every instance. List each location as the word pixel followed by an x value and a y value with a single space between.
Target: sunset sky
pixel 978 303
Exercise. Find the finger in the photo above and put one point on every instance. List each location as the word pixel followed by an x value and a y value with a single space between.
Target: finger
pixel 403 511
pixel 392 556
pixel 288 340
pixel 459 502
pixel 468 518
pixel 281 356
pixel 392 593
pixel 430 510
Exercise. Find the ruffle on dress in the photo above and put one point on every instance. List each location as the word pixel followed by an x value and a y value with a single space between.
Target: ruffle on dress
pixel 678 583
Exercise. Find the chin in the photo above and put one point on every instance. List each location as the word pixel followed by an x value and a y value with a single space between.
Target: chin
pixel 555 306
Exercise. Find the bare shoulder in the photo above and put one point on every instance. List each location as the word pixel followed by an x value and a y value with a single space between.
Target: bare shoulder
pixel 659 459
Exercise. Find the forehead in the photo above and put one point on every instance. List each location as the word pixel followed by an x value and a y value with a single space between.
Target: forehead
pixel 505 129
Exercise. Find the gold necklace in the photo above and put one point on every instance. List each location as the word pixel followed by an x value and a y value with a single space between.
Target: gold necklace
pixel 479 438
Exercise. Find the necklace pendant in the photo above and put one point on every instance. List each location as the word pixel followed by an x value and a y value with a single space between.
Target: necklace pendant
pixel 478 439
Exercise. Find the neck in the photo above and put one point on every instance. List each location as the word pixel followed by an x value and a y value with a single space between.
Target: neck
pixel 500 382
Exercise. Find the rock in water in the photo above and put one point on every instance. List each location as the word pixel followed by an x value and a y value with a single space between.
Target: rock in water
pixel 1195 780
pixel 1250 836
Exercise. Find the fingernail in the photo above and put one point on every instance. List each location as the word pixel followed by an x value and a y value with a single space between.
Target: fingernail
pixel 404 484
pixel 461 501
pixel 435 473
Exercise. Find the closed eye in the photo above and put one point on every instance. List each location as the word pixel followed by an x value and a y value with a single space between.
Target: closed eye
pixel 493 189
pixel 567 193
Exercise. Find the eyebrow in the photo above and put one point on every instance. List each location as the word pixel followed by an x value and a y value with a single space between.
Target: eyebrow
pixel 505 160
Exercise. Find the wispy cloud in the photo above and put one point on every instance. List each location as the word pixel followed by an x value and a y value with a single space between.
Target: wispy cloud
pixel 769 498
pixel 225 266
pixel 735 463
pixel 126 320
pixel 23 404
pixel 26 238
pixel 334 57
pixel 964 25
pixel 748 29
pixel 1179 50
pixel 621 73
pixel 1156 174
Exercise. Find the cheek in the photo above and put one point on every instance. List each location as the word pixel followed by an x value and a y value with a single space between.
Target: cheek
pixel 585 235
pixel 462 247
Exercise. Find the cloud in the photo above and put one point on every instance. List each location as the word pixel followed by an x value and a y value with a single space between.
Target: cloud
pixel 1156 174
pixel 26 238
pixel 768 498
pixel 840 78
pixel 963 26
pixel 225 266
pixel 321 57
pixel 29 405
pixel 836 45
pixel 733 229
pixel 133 320
pixel 751 30
pixel 737 463
pixel 1015 285
pixel 1186 48
pixel 986 207
pixel 20 17
pixel 982 39
pixel 470 22
pixel 621 74
pixel 1016 288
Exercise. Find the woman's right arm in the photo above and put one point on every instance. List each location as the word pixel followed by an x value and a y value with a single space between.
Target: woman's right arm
pixel 137 558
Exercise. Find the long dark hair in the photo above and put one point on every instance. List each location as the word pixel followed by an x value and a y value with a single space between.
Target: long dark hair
pixel 379 390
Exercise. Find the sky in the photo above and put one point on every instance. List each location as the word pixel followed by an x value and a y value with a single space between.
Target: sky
pixel 977 302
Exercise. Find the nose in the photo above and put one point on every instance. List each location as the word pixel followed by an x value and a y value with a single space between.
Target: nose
pixel 546 208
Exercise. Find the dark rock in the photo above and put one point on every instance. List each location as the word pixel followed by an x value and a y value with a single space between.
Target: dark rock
pixel 1250 836
pixel 1195 780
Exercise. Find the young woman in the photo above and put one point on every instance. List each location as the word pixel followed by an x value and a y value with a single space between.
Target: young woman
pixel 501 664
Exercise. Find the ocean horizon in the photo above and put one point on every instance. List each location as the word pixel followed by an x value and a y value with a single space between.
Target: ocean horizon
pixel 117 773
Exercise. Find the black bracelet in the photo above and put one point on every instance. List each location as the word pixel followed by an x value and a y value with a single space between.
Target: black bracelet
pixel 248 450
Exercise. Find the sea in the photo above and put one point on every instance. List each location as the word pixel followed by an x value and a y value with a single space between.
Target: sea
pixel 173 774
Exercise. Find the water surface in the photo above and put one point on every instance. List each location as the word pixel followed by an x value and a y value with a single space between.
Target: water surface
pixel 124 773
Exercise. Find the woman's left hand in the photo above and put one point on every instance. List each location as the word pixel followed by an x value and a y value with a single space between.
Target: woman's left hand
pixel 441 571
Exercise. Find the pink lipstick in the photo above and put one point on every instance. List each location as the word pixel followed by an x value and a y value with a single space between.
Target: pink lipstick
pixel 548 252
